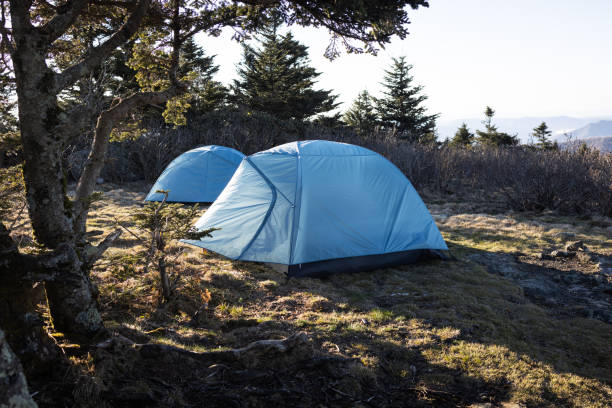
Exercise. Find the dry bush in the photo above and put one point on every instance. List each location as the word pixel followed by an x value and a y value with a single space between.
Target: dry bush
pixel 522 178
pixel 570 182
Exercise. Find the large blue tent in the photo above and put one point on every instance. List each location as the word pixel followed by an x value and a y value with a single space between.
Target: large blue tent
pixel 320 207
pixel 198 175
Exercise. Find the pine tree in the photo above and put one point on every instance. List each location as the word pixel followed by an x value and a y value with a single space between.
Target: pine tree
pixel 401 108
pixel 45 124
pixel 362 116
pixel 491 136
pixel 207 94
pixel 10 143
pixel 275 78
pixel 542 136
pixel 463 137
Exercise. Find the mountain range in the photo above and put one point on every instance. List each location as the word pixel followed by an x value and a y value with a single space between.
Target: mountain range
pixel 602 128
pixel 601 143
pixel 595 131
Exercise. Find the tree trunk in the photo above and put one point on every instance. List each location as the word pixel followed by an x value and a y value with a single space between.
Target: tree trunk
pixel 45 128
pixel 104 126
pixel 44 133
pixel 19 316
pixel 13 387
pixel 163 274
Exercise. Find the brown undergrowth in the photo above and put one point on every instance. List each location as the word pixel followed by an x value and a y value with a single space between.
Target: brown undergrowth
pixel 494 326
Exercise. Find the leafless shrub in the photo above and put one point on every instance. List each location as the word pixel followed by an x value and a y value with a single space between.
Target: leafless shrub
pixel 524 178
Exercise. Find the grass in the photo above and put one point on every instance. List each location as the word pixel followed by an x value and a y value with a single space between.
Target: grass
pixel 437 327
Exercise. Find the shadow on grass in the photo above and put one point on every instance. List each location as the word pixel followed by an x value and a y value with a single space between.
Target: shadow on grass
pixel 516 323
pixel 484 328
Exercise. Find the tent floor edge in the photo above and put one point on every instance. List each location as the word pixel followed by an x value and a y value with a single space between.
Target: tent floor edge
pixel 330 267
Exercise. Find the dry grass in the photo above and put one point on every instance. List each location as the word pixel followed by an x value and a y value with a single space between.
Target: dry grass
pixel 525 232
pixel 434 328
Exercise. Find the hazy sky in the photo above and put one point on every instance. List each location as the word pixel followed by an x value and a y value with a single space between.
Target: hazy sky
pixel 522 57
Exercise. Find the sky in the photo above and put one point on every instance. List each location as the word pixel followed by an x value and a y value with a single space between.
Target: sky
pixel 522 57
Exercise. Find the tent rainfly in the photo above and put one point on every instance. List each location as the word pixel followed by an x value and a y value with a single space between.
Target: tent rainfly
pixel 320 207
pixel 197 176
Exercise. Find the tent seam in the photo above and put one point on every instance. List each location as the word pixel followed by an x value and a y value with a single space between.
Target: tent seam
pixel 171 167
pixel 205 181
pixel 296 206
pixel 315 155
pixel 396 210
pixel 223 158
pixel 265 220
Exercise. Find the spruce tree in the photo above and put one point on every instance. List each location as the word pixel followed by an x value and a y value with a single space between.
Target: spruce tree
pixel 8 103
pixel 10 143
pixel 463 137
pixel 362 116
pixel 38 32
pixel 491 136
pixel 401 108
pixel 276 79
pixel 542 136
pixel 207 94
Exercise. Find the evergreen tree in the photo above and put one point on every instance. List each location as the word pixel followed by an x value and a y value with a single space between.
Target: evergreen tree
pixel 362 116
pixel 207 94
pixel 430 138
pixel 463 137
pixel 542 136
pixel 401 108
pixel 329 121
pixel 37 34
pixel 10 143
pixel 275 78
pixel 491 136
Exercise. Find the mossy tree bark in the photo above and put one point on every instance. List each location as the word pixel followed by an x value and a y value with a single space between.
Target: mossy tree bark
pixel 13 387
pixel 19 299
pixel 44 132
pixel 46 129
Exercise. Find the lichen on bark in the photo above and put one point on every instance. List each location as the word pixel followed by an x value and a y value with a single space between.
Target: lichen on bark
pixel 13 386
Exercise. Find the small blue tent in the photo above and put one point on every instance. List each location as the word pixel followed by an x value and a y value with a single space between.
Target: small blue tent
pixel 198 175
pixel 320 207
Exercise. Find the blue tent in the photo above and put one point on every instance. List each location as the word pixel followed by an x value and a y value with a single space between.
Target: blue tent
pixel 198 175
pixel 320 207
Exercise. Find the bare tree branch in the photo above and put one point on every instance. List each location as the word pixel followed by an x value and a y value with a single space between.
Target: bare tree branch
pixel 104 127
pixel 40 267
pixel 118 110
pixel 4 31
pixel 139 239
pixel 20 16
pixel 260 348
pixel 95 252
pixel 66 15
pixel 96 55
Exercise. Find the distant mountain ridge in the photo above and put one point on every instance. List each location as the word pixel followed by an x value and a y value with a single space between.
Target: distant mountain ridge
pixel 559 125
pixel 602 128
pixel 597 135
pixel 602 143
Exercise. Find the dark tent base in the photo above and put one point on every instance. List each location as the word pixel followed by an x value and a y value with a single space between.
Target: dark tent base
pixel 362 263
pixel 204 203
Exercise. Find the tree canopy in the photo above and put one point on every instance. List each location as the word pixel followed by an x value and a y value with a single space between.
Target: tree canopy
pixel 276 78
pixel 362 116
pixel 542 134
pixel 490 136
pixel 463 137
pixel 401 106
pixel 54 48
